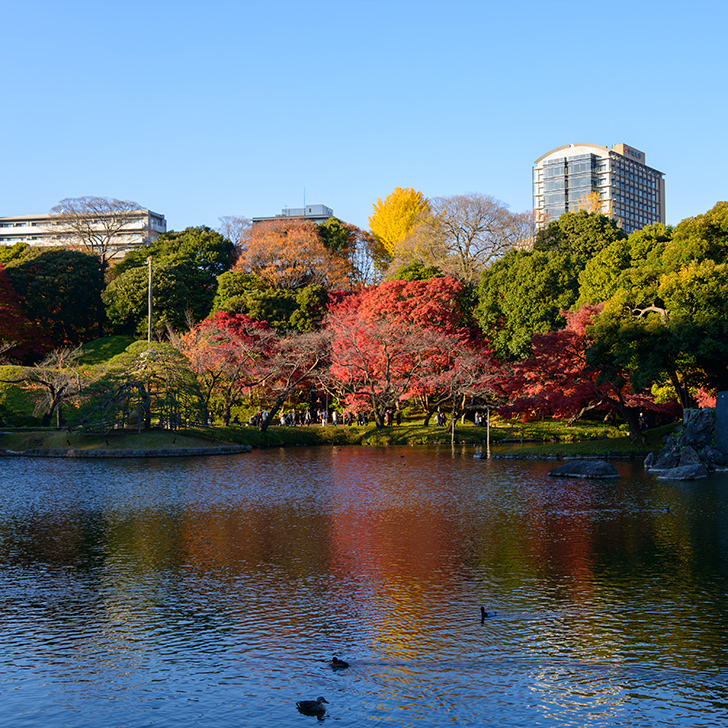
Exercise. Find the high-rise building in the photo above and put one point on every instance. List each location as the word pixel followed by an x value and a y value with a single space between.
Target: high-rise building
pixel 569 178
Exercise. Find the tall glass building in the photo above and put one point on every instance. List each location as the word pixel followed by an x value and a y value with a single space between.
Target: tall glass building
pixel 571 177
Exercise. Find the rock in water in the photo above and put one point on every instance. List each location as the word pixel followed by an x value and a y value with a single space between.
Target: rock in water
pixel 684 472
pixel 585 469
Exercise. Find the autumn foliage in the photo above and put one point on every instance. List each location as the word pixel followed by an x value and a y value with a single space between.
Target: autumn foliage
pixel 19 338
pixel 290 253
pixel 400 340
pixel 395 216
pixel 230 353
pixel 556 381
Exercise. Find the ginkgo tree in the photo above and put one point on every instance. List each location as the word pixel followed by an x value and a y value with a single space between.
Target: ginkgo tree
pixel 395 217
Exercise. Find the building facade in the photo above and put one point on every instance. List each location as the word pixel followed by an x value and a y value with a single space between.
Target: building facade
pixel 567 178
pixel 140 228
pixel 315 213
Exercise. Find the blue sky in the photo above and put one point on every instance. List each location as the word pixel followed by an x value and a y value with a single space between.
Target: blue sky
pixel 203 109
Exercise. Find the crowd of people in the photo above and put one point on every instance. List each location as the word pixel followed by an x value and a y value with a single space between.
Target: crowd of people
pixel 322 417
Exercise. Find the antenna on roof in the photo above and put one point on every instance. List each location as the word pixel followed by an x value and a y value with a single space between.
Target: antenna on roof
pixel 304 200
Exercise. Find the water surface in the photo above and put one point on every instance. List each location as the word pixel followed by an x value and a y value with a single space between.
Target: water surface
pixel 182 592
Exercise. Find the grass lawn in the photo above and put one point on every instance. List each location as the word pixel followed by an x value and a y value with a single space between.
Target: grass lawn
pixel 602 447
pixel 100 351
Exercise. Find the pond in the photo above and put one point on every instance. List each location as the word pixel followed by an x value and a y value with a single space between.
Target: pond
pixel 215 591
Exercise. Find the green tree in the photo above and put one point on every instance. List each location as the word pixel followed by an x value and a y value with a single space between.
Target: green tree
pixel 633 263
pixel 150 383
pixel 9 253
pixel 233 287
pixel 302 309
pixel 335 235
pixel 60 292
pixel 527 291
pixel 185 269
pixel 580 234
pixel 524 293
pixel 199 247
pixel 666 304
pixel 181 294
pixel 416 270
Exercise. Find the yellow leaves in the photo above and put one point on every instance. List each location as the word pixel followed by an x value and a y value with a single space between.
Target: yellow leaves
pixel 394 218
pixel 592 203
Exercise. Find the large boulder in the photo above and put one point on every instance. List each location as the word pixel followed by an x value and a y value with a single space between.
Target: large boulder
pixel 668 460
pixel 684 472
pixel 585 469
pixel 691 451
pixel 721 422
pixel 712 457
pixel 698 428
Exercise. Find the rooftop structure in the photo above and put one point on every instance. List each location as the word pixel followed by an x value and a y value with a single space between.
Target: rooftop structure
pixel 315 213
pixel 628 190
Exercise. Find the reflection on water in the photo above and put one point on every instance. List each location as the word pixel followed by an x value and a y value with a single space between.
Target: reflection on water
pixel 216 590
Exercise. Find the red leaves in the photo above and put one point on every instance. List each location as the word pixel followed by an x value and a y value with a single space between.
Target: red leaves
pixel 18 336
pixel 432 303
pixel 402 338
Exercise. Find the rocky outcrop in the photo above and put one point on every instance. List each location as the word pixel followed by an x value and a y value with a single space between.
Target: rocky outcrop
pixel 690 452
pixel 585 469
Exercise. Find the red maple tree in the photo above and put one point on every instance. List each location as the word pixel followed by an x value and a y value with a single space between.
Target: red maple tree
pixel 19 337
pixel 231 354
pixel 392 342
pixel 556 382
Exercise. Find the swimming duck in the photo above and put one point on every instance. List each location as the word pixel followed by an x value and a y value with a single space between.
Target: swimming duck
pixel 312 707
pixel 338 664
pixel 484 615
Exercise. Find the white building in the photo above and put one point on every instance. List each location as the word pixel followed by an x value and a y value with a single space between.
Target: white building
pixel 140 227
pixel 315 213
pixel 630 191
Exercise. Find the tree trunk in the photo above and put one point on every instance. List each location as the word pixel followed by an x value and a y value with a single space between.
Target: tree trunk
pixel 453 414
pixel 681 391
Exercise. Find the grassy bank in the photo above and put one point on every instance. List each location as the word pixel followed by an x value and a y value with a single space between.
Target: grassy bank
pixel 537 438
pixel 116 440
pixel 619 446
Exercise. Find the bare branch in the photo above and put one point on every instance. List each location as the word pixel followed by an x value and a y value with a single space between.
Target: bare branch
pixel 100 225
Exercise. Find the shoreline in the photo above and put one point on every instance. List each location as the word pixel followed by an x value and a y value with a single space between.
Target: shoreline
pixel 147 453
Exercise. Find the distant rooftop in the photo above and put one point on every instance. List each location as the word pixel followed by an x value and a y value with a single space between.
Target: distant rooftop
pixel 317 213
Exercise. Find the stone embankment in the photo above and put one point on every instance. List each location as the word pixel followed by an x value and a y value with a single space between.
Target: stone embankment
pixel 179 452
pixel 690 452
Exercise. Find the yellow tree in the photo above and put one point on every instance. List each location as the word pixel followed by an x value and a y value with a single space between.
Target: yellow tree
pixel 592 202
pixel 394 218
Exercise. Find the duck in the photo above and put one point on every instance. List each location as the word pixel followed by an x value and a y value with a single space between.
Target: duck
pixel 484 614
pixel 312 707
pixel 338 664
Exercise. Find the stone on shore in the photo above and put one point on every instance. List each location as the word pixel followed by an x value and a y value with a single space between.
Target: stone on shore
pixel 585 469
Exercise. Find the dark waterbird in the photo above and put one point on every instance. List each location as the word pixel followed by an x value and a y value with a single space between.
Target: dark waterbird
pixel 312 707
pixel 484 614
pixel 338 664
